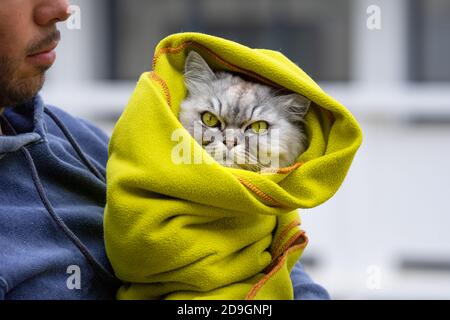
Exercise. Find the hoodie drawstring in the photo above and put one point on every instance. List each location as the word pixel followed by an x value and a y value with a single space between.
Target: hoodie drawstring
pixel 104 273
pixel 75 145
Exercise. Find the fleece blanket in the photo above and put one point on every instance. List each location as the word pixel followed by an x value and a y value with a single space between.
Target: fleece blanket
pixel 199 230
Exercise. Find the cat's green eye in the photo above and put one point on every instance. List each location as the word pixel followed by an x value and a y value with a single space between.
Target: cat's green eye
pixel 259 127
pixel 210 120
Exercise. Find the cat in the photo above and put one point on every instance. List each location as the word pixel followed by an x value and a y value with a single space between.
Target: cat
pixel 243 124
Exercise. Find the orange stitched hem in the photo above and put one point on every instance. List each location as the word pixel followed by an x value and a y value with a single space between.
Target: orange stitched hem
pixel 280 239
pixel 283 170
pixel 154 76
pixel 291 168
pixel 289 243
pixel 254 291
pixel 292 240
pixel 261 193
pixel 231 66
pixel 169 50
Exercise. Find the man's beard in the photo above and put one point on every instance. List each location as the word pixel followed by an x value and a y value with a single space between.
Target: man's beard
pixel 14 91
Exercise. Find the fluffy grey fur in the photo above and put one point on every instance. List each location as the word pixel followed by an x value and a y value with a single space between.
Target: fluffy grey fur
pixel 238 103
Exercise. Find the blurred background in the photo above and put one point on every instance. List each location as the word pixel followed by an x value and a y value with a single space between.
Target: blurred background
pixel 386 233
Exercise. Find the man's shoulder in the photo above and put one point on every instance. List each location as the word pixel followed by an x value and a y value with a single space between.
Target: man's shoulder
pixel 78 125
pixel 89 137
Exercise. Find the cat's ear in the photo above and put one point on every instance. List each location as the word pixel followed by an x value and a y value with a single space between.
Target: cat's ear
pixel 296 105
pixel 198 75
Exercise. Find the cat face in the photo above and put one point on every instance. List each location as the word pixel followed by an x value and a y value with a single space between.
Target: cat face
pixel 241 124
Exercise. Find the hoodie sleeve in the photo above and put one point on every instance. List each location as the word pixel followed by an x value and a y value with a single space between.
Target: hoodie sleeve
pixel 304 287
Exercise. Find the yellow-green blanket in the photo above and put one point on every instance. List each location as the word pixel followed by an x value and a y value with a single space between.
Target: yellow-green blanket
pixel 201 230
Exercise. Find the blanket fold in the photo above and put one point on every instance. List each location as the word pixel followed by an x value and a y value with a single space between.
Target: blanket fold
pixel 196 229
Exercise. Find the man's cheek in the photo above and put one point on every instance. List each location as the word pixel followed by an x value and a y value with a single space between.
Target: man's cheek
pixel 10 49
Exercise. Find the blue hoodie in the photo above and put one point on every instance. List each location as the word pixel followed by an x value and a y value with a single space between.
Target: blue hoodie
pixel 52 197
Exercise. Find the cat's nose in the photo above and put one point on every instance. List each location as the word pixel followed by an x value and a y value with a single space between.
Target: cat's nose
pixel 231 143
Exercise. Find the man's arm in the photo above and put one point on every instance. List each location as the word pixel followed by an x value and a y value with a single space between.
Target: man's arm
pixel 304 287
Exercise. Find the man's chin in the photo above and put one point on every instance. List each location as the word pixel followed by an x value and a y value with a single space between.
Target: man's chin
pixel 19 92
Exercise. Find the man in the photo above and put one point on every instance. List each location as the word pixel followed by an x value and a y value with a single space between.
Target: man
pixel 52 174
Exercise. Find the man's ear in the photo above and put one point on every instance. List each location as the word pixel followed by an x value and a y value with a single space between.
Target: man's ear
pixel 197 74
